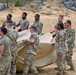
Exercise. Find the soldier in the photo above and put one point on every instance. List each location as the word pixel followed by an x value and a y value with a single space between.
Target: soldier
pixel 70 38
pixel 60 19
pixel 31 52
pixel 9 17
pixel 24 23
pixel 38 24
pixel 61 49
pixel 13 35
pixel 5 46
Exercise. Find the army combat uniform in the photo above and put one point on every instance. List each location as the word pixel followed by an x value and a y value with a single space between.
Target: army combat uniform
pixel 13 35
pixel 61 50
pixel 70 38
pixel 4 23
pixel 39 26
pixel 5 61
pixel 30 54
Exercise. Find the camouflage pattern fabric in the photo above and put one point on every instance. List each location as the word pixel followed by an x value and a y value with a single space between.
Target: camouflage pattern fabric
pixel 30 54
pixel 39 26
pixel 61 50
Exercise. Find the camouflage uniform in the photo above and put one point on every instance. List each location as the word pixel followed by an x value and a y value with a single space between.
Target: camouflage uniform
pixel 5 61
pixel 23 23
pixel 61 50
pixel 39 26
pixel 4 23
pixel 70 38
pixel 30 54
pixel 13 35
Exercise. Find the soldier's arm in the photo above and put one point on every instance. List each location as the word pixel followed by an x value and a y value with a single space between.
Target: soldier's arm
pixel 31 40
pixel 18 24
pixel 57 38
pixel 1 48
pixel 40 28
pixel 72 36
pixel 26 27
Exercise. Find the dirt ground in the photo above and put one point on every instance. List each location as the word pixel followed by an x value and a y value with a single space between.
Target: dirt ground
pixel 48 24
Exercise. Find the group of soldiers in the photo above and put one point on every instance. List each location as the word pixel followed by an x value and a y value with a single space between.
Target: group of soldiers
pixel 64 36
pixel 8 44
pixel 64 43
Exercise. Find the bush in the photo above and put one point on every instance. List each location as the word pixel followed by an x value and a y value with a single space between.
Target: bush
pixel 16 2
pixel 36 7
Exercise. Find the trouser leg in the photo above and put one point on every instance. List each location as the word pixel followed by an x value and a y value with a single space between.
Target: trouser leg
pixel 32 67
pixel 69 57
pixel 13 63
pixel 28 64
pixel 61 64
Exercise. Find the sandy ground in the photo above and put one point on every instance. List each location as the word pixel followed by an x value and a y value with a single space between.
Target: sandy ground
pixel 49 22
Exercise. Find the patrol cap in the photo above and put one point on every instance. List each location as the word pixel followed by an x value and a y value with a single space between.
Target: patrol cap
pixel 33 27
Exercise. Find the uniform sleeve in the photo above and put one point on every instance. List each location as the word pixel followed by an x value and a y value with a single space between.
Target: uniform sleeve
pixel 33 36
pixel 57 38
pixel 14 23
pixel 40 28
pixel 15 34
pixel 41 25
pixel 1 43
pixel 27 22
pixel 72 36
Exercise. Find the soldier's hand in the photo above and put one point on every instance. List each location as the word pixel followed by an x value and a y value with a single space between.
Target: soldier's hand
pixel 54 35
pixel 59 54
pixel 52 44
pixel 24 41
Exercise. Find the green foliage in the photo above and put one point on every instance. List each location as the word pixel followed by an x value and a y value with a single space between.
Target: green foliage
pixel 60 4
pixel 16 2
pixel 6 1
pixel 36 7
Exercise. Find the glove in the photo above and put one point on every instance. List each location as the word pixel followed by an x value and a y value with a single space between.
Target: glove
pixel 19 30
pixel 54 35
pixel 14 27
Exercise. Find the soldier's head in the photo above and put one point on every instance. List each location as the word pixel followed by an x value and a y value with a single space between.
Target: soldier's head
pixel 33 29
pixel 24 15
pixel 60 26
pixel 60 18
pixel 8 24
pixel 67 24
pixel 37 17
pixel 9 17
pixel 3 31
